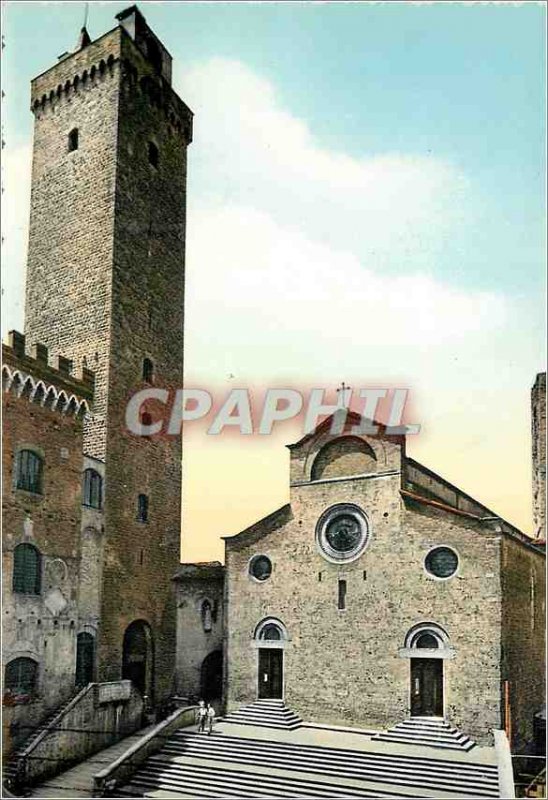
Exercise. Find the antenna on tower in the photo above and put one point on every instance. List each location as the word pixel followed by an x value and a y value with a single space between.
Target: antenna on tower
pixel 86 14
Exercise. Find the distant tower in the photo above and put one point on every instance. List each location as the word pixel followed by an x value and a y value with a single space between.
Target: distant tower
pixel 538 435
pixel 105 281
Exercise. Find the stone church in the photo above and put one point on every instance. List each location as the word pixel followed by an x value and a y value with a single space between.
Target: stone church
pixel 379 592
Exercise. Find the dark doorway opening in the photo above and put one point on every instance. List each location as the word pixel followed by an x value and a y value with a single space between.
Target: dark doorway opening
pixel 271 662
pixel 427 687
pixel 85 659
pixel 211 677
pixel 138 657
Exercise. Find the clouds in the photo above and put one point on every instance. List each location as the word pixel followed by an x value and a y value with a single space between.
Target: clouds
pixel 321 258
pixel 251 151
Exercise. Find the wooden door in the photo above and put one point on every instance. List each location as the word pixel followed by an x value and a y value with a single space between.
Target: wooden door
pixel 270 673
pixel 427 687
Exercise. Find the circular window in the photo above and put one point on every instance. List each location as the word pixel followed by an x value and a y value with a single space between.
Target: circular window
pixel 441 562
pixel 342 532
pixel 260 568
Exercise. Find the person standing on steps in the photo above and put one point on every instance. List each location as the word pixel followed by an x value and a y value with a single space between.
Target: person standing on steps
pixel 202 716
pixel 210 718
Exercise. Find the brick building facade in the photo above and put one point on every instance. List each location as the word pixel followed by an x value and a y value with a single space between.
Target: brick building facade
pixel 46 621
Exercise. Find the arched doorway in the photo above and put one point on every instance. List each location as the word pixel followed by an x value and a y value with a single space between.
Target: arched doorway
pixel 138 657
pixel 85 659
pixel 428 645
pixel 271 638
pixel 211 676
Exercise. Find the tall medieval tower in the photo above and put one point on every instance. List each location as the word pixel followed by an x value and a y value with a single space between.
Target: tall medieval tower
pixel 105 283
pixel 538 436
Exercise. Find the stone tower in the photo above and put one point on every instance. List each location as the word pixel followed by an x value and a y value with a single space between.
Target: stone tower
pixel 538 436
pixel 105 283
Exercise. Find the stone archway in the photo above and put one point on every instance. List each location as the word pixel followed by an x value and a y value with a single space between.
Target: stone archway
pixel 138 657
pixel 211 676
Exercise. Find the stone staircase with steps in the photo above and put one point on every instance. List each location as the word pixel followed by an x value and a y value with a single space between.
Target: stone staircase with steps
pixel 267 713
pixel 11 770
pixel 427 732
pixel 223 765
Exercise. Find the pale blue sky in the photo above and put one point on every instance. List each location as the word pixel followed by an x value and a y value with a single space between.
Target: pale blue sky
pixel 366 202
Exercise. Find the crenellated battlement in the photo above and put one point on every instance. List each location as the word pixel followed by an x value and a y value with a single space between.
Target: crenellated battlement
pixel 113 56
pixel 57 385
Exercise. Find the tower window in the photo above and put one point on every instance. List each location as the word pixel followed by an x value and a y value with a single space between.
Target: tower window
pixel 342 595
pixel 148 370
pixel 153 155
pixel 73 140
pixel 29 471
pixel 26 569
pixel 93 484
pixel 142 508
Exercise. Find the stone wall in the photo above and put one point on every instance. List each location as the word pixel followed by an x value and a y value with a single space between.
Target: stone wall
pixel 523 638
pixel 197 584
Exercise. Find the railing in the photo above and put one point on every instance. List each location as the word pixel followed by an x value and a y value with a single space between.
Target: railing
pixel 119 772
pixel 531 777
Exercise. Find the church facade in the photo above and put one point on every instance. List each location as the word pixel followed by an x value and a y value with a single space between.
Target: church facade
pixel 380 592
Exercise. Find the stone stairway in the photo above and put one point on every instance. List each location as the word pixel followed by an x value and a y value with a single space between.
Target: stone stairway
pixel 267 713
pixel 11 770
pixel 223 765
pixel 427 732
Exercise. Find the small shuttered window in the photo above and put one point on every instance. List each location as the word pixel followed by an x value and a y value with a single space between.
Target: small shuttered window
pixel 26 569
pixel 93 489
pixel 29 471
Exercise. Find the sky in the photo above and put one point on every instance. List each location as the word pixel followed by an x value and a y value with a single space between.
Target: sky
pixel 366 202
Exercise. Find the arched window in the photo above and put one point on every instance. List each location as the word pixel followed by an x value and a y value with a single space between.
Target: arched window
pixel 85 658
pixel 73 140
pixel 148 370
pixel 142 508
pixel 271 633
pixel 20 677
pixel 206 616
pixel 26 569
pixel 153 155
pixel 426 640
pixel 29 471
pixel 93 489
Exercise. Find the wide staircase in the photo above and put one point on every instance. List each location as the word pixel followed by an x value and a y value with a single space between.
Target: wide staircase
pixel 427 732
pixel 267 713
pixel 230 766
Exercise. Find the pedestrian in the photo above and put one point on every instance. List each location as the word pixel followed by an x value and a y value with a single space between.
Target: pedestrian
pixel 210 711
pixel 202 716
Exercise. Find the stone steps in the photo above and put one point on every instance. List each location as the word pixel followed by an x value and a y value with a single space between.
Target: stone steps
pixel 427 732
pixel 266 713
pixel 223 765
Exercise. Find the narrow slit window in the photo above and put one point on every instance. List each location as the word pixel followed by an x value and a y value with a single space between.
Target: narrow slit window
pixel 342 595
pixel 148 370
pixel 153 155
pixel 73 140
pixel 142 508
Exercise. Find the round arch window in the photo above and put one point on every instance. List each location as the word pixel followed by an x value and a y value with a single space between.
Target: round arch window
pixel 441 562
pixel 342 532
pixel 260 568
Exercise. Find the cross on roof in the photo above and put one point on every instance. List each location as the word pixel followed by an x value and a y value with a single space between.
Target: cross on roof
pixel 342 392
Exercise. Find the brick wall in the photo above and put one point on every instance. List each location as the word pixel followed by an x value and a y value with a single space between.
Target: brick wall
pixel 538 440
